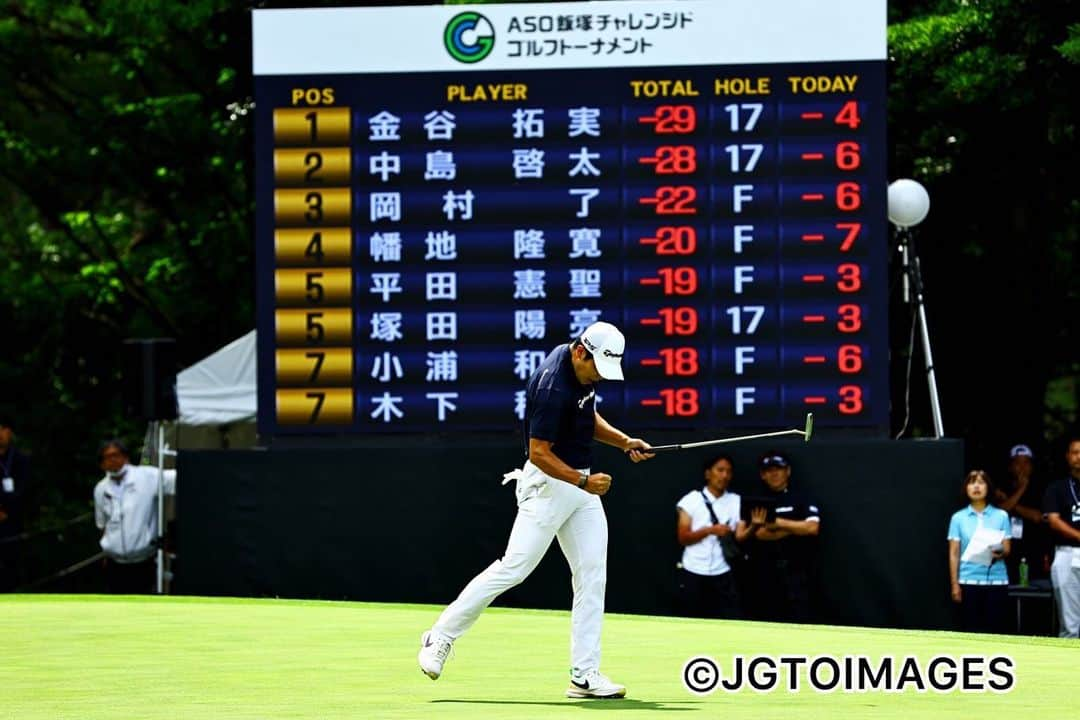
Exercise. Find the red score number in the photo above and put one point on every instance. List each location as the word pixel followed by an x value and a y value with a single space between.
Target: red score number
pixel 848 196
pixel 847 156
pixel 672 160
pixel 678 320
pixel 672 200
pixel 672 119
pixel 680 402
pixel 682 361
pixel 678 280
pixel 851 231
pixel 850 400
pixel 673 240
pixel 850 278
pixel 848 115
pixel 850 318
pixel 849 359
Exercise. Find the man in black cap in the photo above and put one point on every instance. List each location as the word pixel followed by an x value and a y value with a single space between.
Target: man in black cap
pixel 1020 494
pixel 14 491
pixel 784 554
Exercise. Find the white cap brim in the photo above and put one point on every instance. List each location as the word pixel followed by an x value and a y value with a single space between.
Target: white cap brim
pixel 609 369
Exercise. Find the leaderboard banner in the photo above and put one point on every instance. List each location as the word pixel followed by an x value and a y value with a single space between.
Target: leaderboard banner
pixel 446 193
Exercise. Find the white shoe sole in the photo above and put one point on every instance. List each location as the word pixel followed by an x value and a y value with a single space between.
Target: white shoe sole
pixel 576 692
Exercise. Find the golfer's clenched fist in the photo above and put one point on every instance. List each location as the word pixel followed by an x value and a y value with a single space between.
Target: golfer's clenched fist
pixel 598 483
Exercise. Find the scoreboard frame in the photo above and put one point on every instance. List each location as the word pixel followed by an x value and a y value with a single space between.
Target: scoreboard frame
pixel 739 176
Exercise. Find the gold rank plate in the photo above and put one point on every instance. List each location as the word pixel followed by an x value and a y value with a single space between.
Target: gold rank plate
pixel 311 126
pixel 315 406
pixel 312 167
pixel 325 246
pixel 326 326
pixel 322 206
pixel 317 286
pixel 313 367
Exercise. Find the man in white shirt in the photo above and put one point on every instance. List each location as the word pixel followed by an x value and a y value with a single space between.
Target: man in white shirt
pixel 706 583
pixel 126 509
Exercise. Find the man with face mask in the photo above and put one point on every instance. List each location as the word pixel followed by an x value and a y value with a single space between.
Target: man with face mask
pixel 126 509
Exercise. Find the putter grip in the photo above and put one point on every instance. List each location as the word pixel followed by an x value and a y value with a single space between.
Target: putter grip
pixel 662 448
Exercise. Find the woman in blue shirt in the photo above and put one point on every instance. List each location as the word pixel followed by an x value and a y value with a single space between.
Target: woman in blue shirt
pixel 979 539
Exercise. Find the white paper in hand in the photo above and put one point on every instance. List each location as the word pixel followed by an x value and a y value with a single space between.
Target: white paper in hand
pixel 978 550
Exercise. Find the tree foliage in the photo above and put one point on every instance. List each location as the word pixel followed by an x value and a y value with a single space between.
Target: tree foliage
pixel 983 112
pixel 125 208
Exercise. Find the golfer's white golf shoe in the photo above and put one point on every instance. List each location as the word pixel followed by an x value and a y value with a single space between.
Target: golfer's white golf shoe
pixel 435 647
pixel 592 684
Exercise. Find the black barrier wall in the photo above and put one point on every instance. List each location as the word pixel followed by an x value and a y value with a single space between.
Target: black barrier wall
pixel 414 524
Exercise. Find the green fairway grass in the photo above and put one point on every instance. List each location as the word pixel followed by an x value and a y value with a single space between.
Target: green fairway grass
pixel 86 657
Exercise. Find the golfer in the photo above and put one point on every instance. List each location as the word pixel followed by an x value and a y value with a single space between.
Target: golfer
pixel 558 495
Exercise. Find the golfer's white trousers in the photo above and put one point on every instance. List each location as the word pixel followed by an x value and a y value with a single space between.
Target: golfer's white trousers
pixel 547 508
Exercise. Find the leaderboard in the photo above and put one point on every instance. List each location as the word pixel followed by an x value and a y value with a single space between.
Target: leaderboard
pixel 426 234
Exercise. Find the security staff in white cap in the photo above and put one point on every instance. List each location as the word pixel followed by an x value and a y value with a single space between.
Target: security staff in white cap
pixel 558 496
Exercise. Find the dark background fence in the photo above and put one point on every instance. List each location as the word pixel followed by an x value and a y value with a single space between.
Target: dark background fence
pixel 414 522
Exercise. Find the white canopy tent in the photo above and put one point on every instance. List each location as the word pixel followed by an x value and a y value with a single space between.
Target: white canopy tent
pixel 220 388
pixel 216 398
pixel 216 404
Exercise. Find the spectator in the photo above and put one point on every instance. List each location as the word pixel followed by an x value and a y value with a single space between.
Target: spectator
pixel 784 559
pixel 1062 507
pixel 126 509
pixel 708 519
pixel 1021 495
pixel 14 494
pixel 978 539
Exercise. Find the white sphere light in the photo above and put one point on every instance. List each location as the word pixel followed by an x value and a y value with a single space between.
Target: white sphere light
pixel 909 203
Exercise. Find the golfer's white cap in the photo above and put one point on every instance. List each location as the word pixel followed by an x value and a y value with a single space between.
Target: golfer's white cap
pixel 606 344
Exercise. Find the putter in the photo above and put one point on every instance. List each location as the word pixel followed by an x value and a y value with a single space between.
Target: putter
pixel 705 443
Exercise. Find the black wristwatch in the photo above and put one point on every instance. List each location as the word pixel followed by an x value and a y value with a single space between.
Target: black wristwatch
pixel 583 481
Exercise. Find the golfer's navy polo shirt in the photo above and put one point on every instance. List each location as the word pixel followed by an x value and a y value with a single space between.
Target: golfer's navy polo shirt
pixel 561 410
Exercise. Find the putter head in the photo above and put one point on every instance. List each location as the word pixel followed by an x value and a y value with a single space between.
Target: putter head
pixel 809 427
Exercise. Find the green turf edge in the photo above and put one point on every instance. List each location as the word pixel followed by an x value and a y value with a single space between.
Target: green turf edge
pixel 1025 640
